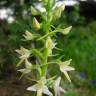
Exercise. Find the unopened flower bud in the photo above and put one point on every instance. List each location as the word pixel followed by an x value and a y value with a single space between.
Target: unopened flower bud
pixel 34 11
pixel 57 14
pixel 36 24
pixel 67 30
pixel 62 7
pixel 58 11
pixel 49 45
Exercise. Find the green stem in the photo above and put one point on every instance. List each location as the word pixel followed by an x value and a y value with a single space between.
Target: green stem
pixel 48 34
pixel 44 68
pixel 47 28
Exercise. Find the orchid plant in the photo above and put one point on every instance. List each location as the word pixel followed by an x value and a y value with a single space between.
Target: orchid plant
pixel 44 33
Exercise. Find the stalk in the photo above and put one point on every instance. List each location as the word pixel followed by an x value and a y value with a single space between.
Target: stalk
pixel 44 68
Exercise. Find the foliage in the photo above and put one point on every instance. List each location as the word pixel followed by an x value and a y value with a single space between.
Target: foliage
pixel 71 93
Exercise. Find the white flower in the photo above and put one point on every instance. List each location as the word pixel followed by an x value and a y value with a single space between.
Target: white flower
pixel 28 67
pixel 49 45
pixel 25 53
pixel 57 88
pixel 40 87
pixel 28 35
pixel 64 67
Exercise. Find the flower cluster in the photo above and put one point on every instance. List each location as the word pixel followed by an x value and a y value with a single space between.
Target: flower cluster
pixel 45 35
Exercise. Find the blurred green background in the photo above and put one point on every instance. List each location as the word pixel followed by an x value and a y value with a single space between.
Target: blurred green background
pixel 80 45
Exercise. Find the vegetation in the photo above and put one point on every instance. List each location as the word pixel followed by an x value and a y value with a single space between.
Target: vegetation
pixel 79 45
pixel 43 53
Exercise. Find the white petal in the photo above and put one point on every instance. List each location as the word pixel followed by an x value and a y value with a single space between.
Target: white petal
pixel 56 86
pixel 33 88
pixel 62 90
pixel 24 50
pixel 66 63
pixel 21 70
pixel 25 71
pixel 19 51
pixel 57 81
pixel 25 56
pixel 46 91
pixel 68 68
pixel 28 64
pixel 28 33
pixel 58 91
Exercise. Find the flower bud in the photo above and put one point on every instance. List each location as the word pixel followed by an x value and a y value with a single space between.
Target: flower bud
pixel 62 7
pixel 67 30
pixel 58 11
pixel 49 45
pixel 36 24
pixel 34 11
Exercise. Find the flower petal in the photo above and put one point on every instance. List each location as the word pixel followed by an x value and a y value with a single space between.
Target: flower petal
pixel 25 71
pixel 68 68
pixel 62 90
pixel 21 70
pixel 65 63
pixel 33 88
pixel 46 91
pixel 24 56
pixel 57 81
pixel 28 64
